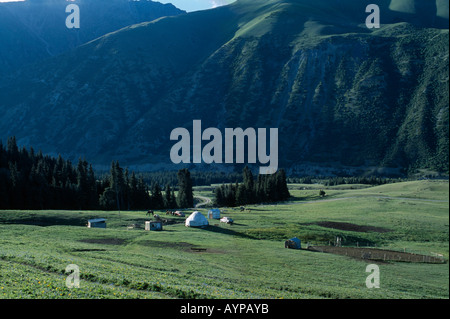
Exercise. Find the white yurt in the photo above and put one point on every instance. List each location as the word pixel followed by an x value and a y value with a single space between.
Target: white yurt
pixel 196 219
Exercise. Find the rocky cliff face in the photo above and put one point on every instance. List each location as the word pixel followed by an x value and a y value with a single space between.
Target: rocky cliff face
pixel 342 96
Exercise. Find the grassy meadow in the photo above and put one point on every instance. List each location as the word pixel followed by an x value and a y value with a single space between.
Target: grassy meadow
pixel 243 260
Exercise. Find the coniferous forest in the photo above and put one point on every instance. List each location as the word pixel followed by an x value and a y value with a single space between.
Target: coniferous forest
pixel 31 180
pixel 266 188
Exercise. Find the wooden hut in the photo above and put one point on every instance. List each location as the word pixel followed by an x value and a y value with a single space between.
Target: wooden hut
pixel 214 214
pixel 97 223
pixel 153 226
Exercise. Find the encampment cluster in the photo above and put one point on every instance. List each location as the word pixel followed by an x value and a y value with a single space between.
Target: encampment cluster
pixel 196 219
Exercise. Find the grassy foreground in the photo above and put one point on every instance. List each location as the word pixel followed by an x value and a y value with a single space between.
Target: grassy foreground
pixel 244 260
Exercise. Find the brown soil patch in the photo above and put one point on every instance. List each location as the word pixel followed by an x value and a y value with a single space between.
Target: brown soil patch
pixel 377 254
pixel 104 241
pixel 352 227
pixel 188 247
pixel 165 244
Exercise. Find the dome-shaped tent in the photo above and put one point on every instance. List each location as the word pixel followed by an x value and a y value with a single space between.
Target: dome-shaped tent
pixel 196 219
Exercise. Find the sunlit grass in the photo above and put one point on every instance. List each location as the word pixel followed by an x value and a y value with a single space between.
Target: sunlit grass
pixel 244 260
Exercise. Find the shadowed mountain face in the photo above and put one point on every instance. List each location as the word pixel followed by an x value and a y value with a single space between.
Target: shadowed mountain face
pixel 36 29
pixel 341 94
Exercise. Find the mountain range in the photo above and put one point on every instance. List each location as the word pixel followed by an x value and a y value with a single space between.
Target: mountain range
pixel 345 98
pixel 33 30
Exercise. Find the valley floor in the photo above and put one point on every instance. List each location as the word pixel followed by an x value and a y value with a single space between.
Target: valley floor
pixel 243 260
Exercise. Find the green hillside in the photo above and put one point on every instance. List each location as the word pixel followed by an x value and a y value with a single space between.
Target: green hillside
pixel 34 30
pixel 344 97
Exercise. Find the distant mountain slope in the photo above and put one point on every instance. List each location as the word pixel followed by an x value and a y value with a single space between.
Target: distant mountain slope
pixel 36 29
pixel 340 94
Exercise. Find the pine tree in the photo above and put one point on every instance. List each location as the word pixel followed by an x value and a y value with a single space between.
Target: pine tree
pixel 170 201
pixel 117 184
pixel 92 189
pixel 241 195
pixel 16 186
pixel 157 197
pixel 4 179
pixel 126 189
pixel 12 150
pixel 133 196
pixel 230 195
pixel 281 185
pixel 108 200
pixel 115 189
pixel 4 189
pixel 269 189
pixel 3 157
pixel 185 198
pixel 144 200
pixel 249 186
pixel 58 173
pixel 82 184
pixel 219 197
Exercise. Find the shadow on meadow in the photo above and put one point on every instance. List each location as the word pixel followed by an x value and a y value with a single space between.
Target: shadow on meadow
pixel 44 221
pixel 226 231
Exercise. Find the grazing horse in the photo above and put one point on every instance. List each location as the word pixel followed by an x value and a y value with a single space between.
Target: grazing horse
pixel 150 212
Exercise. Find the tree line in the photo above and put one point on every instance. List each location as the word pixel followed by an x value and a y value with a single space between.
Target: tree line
pixel 121 190
pixel 31 180
pixel 342 180
pixel 266 188
pixel 198 178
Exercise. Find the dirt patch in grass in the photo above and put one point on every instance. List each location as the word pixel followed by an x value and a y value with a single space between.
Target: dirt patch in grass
pixel 188 247
pixel 374 254
pixel 352 227
pixel 166 244
pixel 104 241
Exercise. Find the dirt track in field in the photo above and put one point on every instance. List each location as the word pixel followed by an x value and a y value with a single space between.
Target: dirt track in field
pixel 206 201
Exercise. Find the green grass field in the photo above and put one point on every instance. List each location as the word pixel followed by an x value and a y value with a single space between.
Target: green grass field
pixel 244 260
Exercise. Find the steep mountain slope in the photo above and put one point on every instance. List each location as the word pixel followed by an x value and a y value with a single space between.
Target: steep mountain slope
pixel 36 29
pixel 341 94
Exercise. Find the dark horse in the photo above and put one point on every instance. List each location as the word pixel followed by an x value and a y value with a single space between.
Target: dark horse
pixel 150 212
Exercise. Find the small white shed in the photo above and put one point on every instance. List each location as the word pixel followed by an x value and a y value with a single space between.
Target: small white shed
pixel 214 214
pixel 154 226
pixel 97 223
